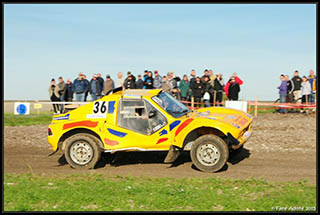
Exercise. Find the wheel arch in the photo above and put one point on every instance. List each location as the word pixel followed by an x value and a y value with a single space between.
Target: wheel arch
pixel 77 131
pixel 200 131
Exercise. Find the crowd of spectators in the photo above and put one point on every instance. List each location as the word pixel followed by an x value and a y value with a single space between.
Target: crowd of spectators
pixel 205 88
pixel 297 90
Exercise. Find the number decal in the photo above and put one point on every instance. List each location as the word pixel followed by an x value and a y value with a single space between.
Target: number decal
pixel 96 109
pixel 99 107
pixel 103 107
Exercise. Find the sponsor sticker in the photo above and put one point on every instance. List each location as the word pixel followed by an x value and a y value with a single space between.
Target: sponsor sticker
pixel 96 116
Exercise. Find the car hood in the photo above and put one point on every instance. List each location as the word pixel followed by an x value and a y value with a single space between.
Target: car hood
pixel 236 118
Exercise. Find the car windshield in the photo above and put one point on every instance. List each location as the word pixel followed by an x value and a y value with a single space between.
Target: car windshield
pixel 170 104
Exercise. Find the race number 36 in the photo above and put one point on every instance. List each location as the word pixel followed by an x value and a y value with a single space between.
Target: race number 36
pixel 99 107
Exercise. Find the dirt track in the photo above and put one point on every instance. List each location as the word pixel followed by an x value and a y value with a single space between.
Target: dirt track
pixel 282 148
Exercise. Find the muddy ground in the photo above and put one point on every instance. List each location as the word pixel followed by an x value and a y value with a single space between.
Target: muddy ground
pixel 282 148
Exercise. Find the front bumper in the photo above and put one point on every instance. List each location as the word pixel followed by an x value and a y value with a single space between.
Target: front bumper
pixel 237 143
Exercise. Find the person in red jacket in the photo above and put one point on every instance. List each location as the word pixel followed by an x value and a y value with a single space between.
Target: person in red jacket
pixel 237 79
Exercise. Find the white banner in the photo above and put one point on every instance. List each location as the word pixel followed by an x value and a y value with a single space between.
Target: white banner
pixel 239 105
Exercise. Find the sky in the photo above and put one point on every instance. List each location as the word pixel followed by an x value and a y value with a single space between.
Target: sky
pixel 257 41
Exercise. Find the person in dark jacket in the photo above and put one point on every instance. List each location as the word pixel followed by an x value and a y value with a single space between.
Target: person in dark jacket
pixel 95 88
pixel 148 83
pixel 289 89
pixel 139 82
pixel 54 95
pixel 233 90
pixel 80 87
pixel 218 87
pixel 68 94
pixel 101 81
pixel 130 82
pixel 296 85
pixel 88 88
pixel 208 91
pixel 197 91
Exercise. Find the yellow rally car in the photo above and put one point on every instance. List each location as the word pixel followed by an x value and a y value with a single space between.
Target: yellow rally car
pixel 152 120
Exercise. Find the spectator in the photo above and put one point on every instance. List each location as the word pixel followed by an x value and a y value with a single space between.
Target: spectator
pixel 218 88
pixel 148 83
pixel 313 83
pixel 208 90
pixel 165 86
pixel 233 89
pixel 68 95
pixel 157 80
pixel 296 80
pixel 192 78
pixel 139 82
pixel 289 89
pixel 205 74
pixel 120 80
pixel 101 81
pixel 145 75
pixel 283 93
pixel 87 90
pixel 108 85
pixel 197 91
pixel 176 93
pixel 173 80
pixel 80 87
pixel 54 95
pixel 95 88
pixel 184 87
pixel 212 77
pixel 237 79
pixel 62 89
pixel 130 82
pixel 305 91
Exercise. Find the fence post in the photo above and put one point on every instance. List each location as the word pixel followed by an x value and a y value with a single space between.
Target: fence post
pixel 214 98
pixel 256 107
pixel 192 102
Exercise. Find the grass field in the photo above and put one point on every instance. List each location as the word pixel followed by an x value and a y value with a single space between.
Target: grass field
pixel 33 119
pixel 96 192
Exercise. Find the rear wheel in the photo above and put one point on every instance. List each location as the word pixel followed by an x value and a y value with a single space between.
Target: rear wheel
pixel 209 153
pixel 82 151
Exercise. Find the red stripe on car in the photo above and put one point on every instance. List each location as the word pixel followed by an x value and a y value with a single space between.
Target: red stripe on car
pixel 111 142
pixel 162 140
pixel 87 123
pixel 183 125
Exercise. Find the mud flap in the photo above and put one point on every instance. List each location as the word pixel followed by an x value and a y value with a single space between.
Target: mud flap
pixel 172 155
pixel 232 140
pixel 52 153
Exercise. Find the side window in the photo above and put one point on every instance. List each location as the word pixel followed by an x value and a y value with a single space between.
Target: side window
pixel 133 116
pixel 158 120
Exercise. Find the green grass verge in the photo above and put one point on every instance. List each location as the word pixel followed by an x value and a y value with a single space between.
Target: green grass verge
pixel 33 119
pixel 97 192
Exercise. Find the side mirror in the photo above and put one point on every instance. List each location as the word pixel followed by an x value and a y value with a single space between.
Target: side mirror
pixel 151 114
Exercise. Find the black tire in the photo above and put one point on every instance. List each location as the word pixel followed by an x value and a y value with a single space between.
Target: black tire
pixel 211 144
pixel 82 143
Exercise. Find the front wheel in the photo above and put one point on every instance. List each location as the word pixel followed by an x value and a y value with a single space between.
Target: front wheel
pixel 209 153
pixel 82 151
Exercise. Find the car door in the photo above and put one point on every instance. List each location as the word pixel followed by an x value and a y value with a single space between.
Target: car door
pixel 139 126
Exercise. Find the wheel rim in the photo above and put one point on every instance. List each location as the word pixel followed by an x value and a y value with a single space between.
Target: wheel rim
pixel 208 154
pixel 81 152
